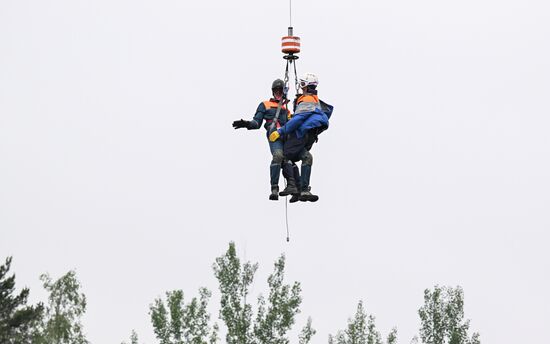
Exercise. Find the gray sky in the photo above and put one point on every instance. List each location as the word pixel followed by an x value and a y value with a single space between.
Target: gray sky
pixel 118 158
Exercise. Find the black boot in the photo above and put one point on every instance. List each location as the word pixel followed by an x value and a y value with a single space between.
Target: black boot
pixel 288 173
pixel 307 196
pixel 296 173
pixel 274 196
pixel 290 189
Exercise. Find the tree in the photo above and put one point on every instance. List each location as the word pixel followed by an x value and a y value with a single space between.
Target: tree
pixel 275 315
pixel 17 320
pixel 362 330
pixel 66 305
pixel 392 336
pixel 175 322
pixel 307 333
pixel 442 317
pixel 133 338
pixel 234 283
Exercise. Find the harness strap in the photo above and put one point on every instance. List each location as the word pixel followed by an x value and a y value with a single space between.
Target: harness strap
pixel 270 120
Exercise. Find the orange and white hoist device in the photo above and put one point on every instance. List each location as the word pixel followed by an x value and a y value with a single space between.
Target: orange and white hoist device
pixel 290 44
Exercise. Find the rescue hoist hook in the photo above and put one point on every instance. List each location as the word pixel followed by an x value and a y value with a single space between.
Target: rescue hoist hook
pixel 290 46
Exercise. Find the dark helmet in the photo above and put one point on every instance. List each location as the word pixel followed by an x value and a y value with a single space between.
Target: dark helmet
pixel 278 84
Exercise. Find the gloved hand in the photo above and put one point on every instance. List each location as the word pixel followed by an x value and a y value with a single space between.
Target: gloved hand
pixel 241 124
pixel 274 136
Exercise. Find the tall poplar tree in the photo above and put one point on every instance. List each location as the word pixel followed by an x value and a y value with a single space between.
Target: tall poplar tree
pixel 442 317
pixel 361 329
pixel 275 314
pixel 66 306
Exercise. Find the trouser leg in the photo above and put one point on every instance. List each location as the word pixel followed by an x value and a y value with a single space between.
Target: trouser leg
pixel 276 149
pixel 288 169
pixel 305 194
pixel 296 173
pixel 274 173
pixel 307 162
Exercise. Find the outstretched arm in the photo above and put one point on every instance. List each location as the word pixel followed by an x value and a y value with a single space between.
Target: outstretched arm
pixel 256 122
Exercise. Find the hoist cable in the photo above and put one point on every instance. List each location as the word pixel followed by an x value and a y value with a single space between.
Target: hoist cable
pixel 290 7
pixel 286 217
pixel 296 83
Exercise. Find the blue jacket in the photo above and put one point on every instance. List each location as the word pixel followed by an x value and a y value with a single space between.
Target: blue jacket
pixel 310 113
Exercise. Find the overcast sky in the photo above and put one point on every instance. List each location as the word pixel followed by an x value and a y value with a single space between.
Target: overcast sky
pixel 118 159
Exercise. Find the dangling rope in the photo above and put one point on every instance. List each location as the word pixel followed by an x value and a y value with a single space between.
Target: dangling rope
pixel 286 216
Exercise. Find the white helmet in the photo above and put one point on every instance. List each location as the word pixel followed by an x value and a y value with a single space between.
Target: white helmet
pixel 309 79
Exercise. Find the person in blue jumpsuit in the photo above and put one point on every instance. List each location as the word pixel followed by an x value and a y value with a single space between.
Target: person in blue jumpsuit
pixel 266 112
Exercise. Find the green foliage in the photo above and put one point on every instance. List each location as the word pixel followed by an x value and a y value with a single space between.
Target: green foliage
pixel 66 305
pixel 362 330
pixel 307 333
pixel 442 317
pixel 175 322
pixel 275 315
pixel 17 320
pixel 133 338
pixel 392 336
pixel 234 283
pixel 373 336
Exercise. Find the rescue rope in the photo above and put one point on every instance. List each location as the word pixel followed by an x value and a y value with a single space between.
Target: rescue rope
pixel 286 218
pixel 286 213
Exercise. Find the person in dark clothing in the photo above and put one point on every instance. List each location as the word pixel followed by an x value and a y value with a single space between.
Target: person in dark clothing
pixel 311 117
pixel 267 111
